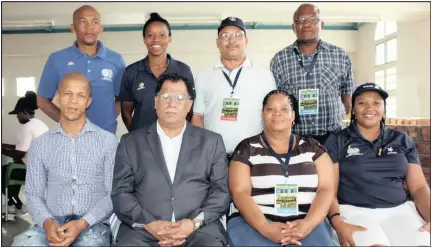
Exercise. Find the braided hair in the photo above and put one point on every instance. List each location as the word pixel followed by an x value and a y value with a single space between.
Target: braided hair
pixel 291 99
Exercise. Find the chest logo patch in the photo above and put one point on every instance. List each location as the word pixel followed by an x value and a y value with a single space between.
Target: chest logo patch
pixel 141 86
pixel 353 151
pixel 107 74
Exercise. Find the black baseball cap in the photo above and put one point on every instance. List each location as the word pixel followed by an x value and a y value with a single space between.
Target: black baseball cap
pixel 28 103
pixel 231 21
pixel 369 87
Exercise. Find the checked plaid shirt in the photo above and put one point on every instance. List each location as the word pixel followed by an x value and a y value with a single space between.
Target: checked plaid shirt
pixel 332 75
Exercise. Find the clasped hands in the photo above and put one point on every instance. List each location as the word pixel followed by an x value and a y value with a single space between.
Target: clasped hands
pixel 287 233
pixel 170 233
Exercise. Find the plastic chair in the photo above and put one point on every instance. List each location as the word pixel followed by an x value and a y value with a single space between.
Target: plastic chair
pixel 9 181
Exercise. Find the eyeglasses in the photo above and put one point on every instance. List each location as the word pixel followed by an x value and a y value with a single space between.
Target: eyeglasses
pixel 179 98
pixel 228 36
pixel 311 19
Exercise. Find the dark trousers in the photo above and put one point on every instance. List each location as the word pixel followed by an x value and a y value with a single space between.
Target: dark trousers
pixel 18 174
pixel 322 138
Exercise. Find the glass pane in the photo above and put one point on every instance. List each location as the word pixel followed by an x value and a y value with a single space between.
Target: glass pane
pixel 380 54
pixel 391 82
pixel 24 84
pixel 390 27
pixel 379 74
pixel 380 81
pixel 391 71
pixel 391 107
pixel 380 31
pixel 391 50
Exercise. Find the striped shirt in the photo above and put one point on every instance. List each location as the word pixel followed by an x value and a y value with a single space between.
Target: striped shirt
pixel 332 75
pixel 266 172
pixel 71 175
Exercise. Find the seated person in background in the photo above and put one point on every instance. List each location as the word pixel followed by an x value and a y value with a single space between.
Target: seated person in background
pixel 30 129
pixel 279 166
pixel 69 175
pixel 372 162
pixel 170 183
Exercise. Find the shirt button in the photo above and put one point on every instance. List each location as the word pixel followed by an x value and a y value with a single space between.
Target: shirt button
pixel 172 198
pixel 312 122
pixel 89 70
pixel 88 61
pixel 73 202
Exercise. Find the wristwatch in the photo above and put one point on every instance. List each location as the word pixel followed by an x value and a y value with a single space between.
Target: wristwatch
pixel 197 224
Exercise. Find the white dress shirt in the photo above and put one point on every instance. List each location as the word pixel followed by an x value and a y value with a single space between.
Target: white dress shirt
pixel 171 150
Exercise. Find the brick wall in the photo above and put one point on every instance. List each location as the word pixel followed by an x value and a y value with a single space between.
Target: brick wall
pixel 419 131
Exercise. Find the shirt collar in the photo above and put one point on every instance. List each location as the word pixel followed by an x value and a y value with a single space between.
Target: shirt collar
pixel 101 52
pixel 384 131
pixel 143 64
pixel 88 127
pixel 247 63
pixel 162 133
pixel 322 44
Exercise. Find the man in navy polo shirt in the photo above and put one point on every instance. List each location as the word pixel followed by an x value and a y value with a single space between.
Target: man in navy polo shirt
pixel 103 67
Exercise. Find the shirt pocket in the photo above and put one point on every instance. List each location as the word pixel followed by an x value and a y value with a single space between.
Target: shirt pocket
pixel 330 79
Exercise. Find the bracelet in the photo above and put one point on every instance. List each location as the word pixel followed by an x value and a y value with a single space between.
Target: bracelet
pixel 332 216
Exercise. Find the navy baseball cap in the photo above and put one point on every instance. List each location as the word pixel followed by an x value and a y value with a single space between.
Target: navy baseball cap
pixel 369 87
pixel 231 21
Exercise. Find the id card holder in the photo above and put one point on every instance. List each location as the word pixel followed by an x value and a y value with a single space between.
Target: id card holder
pixel 286 199
pixel 229 110
pixel 308 101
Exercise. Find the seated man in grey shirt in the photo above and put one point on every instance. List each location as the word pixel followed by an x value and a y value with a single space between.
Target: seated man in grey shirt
pixel 69 175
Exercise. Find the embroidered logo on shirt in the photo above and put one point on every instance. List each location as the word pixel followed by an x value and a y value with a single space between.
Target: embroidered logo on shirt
pixel 391 151
pixel 141 86
pixel 353 151
pixel 107 74
pixel 70 63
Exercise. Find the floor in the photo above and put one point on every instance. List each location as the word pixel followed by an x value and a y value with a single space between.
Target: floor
pixel 13 227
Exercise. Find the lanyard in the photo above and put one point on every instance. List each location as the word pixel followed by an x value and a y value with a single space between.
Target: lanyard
pixel 284 164
pixel 313 62
pixel 233 85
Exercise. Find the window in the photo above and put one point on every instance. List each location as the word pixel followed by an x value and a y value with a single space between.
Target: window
pixel 24 84
pixel 385 74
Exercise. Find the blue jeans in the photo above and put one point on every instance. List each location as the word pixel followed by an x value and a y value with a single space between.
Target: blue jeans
pixel 96 235
pixel 242 234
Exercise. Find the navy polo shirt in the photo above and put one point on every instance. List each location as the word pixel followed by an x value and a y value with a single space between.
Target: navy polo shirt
pixel 367 179
pixel 104 71
pixel 139 86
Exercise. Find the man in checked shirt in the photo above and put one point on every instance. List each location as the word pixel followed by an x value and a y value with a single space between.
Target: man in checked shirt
pixel 319 74
pixel 69 175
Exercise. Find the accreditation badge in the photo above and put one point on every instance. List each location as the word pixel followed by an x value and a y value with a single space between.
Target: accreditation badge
pixel 229 110
pixel 308 101
pixel 286 199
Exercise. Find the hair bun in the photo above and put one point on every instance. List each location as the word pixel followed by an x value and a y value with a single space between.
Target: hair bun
pixel 155 15
pixel 31 100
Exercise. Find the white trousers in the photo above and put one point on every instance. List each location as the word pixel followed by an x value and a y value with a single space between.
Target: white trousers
pixel 396 226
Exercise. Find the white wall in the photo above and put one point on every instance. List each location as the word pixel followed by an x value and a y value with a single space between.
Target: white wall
pixel 413 69
pixel 24 55
pixel 413 65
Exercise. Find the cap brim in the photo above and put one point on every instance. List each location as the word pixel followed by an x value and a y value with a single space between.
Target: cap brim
pixel 228 25
pixel 13 112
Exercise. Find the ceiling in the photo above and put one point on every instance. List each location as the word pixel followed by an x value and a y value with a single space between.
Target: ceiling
pixel 19 14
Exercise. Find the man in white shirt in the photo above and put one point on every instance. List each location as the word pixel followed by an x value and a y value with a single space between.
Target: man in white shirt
pixel 229 94
pixel 30 129
pixel 170 184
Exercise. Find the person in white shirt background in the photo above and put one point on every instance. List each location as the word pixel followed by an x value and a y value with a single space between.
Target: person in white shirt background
pixel 229 93
pixel 30 129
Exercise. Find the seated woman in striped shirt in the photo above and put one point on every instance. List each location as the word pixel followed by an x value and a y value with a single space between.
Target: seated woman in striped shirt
pixel 282 184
